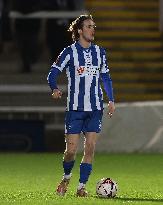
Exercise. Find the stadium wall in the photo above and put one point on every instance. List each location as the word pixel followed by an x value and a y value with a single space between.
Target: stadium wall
pixel 134 127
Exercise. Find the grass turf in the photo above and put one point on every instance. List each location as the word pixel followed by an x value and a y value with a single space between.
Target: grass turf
pixel 32 179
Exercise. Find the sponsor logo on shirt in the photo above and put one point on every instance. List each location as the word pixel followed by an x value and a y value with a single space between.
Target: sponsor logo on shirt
pixel 80 70
pixel 88 70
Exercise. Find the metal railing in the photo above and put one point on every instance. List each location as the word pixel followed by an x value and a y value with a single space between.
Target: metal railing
pixel 48 14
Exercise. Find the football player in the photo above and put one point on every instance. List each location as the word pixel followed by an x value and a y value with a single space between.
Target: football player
pixel 86 66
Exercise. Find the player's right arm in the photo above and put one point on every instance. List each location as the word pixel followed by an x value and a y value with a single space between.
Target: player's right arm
pixel 52 81
pixel 57 67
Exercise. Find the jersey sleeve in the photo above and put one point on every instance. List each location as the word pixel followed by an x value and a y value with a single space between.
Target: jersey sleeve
pixel 106 78
pixel 108 87
pixel 52 78
pixel 104 68
pixel 63 60
pixel 57 67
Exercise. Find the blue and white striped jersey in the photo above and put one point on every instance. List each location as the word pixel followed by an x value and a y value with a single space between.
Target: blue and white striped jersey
pixel 83 67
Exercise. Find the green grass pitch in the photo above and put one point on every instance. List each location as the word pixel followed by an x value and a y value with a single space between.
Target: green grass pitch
pixel 32 179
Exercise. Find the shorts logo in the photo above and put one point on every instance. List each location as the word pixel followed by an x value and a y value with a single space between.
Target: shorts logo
pixel 80 70
pixel 69 127
pixel 100 124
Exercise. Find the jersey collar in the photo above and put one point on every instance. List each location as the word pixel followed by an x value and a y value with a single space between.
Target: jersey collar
pixel 78 45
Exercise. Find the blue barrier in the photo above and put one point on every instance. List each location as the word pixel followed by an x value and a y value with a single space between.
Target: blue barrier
pixel 22 135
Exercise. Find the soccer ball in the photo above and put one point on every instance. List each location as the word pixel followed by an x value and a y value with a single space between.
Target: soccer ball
pixel 106 188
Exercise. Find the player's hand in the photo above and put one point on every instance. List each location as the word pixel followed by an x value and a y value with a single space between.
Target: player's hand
pixel 56 94
pixel 111 108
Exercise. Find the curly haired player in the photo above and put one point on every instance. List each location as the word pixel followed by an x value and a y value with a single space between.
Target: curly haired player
pixel 86 66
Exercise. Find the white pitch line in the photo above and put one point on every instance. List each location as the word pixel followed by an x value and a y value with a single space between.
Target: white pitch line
pixel 160 115
pixel 155 138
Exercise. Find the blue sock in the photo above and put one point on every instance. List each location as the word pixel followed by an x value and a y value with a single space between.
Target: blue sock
pixel 67 166
pixel 85 171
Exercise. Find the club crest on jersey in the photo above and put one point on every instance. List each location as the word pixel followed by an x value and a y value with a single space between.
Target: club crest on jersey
pixel 80 70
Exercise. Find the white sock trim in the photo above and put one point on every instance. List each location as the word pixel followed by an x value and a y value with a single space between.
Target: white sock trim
pixel 68 176
pixel 81 185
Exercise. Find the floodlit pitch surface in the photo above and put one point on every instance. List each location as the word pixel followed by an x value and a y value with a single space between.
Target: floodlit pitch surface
pixel 32 179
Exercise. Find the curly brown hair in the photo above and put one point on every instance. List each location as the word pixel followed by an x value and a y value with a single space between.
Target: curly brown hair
pixel 78 24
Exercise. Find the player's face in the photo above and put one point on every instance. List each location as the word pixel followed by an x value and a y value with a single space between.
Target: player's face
pixel 88 30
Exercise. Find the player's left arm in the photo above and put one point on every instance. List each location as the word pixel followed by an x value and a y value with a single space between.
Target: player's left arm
pixel 107 82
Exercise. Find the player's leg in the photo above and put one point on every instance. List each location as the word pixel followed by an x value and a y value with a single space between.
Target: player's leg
pixel 86 163
pixel 68 162
pixel 73 125
pixel 89 146
pixel 91 128
pixel 72 132
pixel 72 141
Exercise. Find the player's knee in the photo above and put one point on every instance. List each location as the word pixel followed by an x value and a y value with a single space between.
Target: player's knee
pixel 89 149
pixel 70 154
